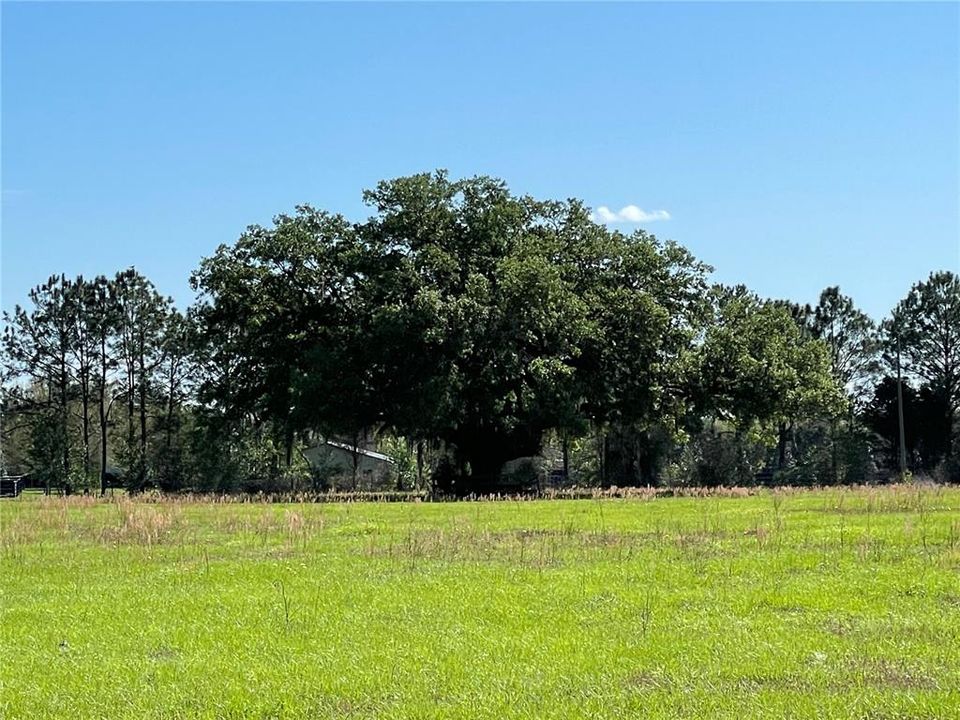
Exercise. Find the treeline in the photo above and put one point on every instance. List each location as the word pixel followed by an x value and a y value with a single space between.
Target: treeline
pixel 463 327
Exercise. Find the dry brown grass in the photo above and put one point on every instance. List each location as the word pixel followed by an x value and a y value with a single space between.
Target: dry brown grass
pixel 140 523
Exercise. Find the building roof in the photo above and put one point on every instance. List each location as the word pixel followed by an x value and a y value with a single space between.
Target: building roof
pixel 366 453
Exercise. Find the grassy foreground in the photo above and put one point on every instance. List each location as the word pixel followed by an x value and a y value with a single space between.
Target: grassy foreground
pixel 785 604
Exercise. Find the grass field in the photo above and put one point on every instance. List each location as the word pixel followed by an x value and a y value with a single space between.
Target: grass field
pixel 785 604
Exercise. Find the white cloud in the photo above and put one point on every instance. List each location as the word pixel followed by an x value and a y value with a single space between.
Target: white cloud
pixel 628 214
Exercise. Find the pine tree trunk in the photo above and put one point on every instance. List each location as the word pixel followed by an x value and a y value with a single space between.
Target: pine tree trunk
pixel 103 415
pixel 169 422
pixel 142 450
pixel 85 402
pixel 64 408
pixel 834 460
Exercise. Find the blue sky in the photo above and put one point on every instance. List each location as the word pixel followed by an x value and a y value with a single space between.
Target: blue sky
pixel 793 146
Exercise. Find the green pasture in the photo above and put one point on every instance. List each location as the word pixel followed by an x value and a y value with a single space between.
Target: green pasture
pixel 840 603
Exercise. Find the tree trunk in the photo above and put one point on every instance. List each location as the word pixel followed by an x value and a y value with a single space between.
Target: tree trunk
pixel 85 403
pixel 64 409
pixel 793 439
pixel 142 450
pixel 834 460
pixel 103 445
pixel 603 458
pixel 781 446
pixel 103 415
pixel 168 440
pixel 420 464
pixel 600 443
pixel 131 435
pixel 355 457
pixel 484 472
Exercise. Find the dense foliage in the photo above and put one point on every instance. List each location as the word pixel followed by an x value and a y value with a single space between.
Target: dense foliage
pixel 461 328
